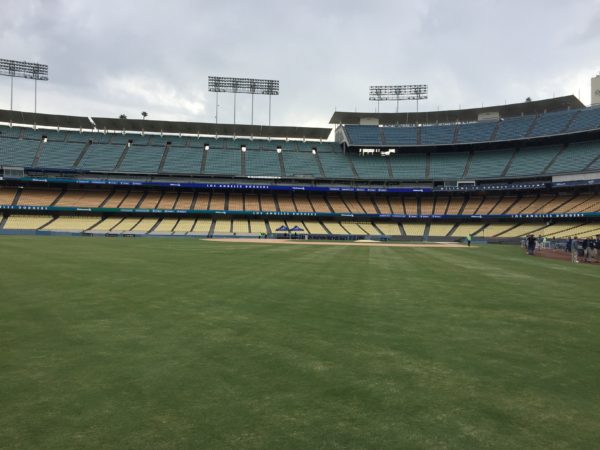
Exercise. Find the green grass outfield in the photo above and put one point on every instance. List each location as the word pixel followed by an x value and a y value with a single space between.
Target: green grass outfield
pixel 181 343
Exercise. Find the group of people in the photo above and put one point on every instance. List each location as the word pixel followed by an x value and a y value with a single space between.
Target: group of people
pixel 588 248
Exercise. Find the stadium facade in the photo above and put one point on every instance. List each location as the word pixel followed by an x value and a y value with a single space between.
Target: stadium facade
pixel 497 173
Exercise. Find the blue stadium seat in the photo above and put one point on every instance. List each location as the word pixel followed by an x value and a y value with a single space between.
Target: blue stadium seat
pixel 365 135
pixel 586 119
pixel 437 134
pixel 552 123
pixel 514 128
pixel 476 132
pixel 400 135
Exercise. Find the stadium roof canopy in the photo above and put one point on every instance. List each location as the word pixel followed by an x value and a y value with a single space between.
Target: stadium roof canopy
pixel 459 115
pixel 162 126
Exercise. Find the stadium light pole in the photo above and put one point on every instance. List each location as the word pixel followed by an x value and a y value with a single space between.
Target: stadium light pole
pixel 23 69
pixel 242 86
pixel 399 92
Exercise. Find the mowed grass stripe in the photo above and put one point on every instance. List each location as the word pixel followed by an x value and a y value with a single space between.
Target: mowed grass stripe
pixel 177 343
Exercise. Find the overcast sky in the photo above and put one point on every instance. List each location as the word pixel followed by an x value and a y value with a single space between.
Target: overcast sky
pixel 111 57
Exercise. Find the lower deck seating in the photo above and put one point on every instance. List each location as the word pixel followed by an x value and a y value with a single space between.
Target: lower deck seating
pixel 441 229
pixel 184 226
pixel 464 229
pixel 26 222
pixel 388 228
pixel 314 227
pixel 414 229
pixel 166 226
pixel 145 225
pixel 346 228
pixel 478 204
pixel 7 195
pixel 72 223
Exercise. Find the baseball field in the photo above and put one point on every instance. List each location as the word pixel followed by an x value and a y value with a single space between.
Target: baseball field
pixel 183 343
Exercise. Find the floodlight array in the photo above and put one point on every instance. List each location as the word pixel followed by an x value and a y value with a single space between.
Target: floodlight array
pixel 243 85
pixel 22 69
pixel 400 92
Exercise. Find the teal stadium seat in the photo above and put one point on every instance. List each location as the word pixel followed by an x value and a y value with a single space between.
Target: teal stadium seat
pixel 60 155
pixel 101 157
pixel 335 165
pixel 142 159
pixel 373 167
pixel 183 160
pixel 262 163
pixel 301 164
pixel 410 166
pixel 96 138
pixel 14 132
pixel 223 162
pixel 532 161
pixel 448 166
pixel 576 157
pixel 16 152
pixel 489 164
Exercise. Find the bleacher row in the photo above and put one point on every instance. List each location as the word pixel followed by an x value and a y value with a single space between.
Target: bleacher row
pixel 459 204
pixel 241 227
pixel 168 159
pixel 522 162
pixel 552 123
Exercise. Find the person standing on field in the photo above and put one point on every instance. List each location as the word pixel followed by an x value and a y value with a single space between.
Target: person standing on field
pixel 469 238
pixel 531 241
pixel 574 250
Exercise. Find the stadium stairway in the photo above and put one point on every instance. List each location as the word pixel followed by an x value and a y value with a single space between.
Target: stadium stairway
pixel 319 165
pixel 281 164
pixel 593 163
pixel 203 162
pixel 509 164
pixel 467 165
pixel 570 121
pixel 161 165
pixel 82 154
pixel 38 154
pixel 532 126
pixel 495 131
pixel 243 164
pixel 556 156
pixel 122 157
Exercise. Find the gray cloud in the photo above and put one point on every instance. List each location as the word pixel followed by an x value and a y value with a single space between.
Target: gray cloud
pixel 111 57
